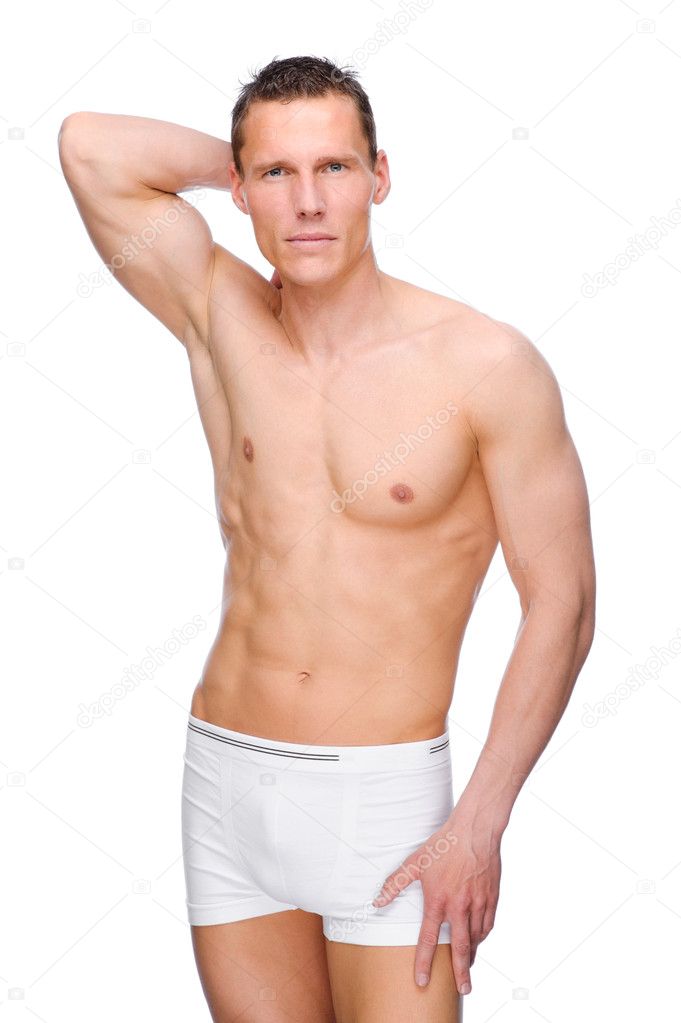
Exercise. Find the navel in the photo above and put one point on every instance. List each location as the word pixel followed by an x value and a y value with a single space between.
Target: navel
pixel 248 449
pixel 402 493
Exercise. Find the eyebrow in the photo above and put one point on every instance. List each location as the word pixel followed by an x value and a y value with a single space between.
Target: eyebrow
pixel 280 162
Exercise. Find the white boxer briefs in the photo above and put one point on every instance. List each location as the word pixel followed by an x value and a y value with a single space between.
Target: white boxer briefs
pixel 269 826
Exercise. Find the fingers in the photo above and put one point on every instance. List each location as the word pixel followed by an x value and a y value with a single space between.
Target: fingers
pixel 464 946
pixel 395 883
pixel 480 924
pixel 476 929
pixel 461 952
pixel 488 920
pixel 427 942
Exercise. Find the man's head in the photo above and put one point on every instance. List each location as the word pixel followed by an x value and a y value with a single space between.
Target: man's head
pixel 305 161
pixel 302 77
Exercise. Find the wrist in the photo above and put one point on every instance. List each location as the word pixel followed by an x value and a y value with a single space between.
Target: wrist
pixel 471 815
pixel 489 796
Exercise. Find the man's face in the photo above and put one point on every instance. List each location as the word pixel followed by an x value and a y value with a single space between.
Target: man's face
pixel 306 171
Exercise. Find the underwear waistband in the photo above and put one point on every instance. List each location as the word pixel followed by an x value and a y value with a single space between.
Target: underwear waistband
pixel 396 756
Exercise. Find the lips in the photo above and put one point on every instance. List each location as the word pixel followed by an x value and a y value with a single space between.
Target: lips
pixel 311 238
pixel 311 243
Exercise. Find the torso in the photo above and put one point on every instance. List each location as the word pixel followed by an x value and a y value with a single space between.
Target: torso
pixel 356 520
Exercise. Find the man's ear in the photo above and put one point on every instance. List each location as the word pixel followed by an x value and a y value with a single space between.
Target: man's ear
pixel 382 175
pixel 237 189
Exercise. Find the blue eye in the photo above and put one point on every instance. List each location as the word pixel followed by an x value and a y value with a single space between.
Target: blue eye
pixel 269 172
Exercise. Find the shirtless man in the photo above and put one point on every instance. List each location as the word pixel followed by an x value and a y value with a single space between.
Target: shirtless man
pixel 372 442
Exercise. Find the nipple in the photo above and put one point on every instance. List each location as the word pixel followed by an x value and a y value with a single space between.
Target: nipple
pixel 402 493
pixel 248 449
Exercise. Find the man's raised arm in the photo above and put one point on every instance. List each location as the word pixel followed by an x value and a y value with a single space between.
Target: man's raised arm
pixel 124 173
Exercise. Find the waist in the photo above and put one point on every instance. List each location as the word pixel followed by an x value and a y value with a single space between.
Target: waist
pixel 276 754
pixel 313 710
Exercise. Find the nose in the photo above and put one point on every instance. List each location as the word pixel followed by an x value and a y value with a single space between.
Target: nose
pixel 308 197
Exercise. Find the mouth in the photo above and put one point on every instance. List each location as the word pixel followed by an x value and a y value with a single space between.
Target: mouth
pixel 312 241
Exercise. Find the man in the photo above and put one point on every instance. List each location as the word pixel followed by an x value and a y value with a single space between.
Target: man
pixel 372 443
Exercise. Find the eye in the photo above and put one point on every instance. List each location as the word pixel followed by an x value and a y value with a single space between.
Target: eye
pixel 272 171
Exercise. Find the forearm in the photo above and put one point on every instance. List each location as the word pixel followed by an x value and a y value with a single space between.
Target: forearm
pixel 144 152
pixel 548 655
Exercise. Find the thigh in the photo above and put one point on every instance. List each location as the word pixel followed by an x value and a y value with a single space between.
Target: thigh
pixel 268 969
pixel 375 984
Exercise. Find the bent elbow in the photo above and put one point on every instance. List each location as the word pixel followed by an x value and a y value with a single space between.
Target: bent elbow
pixel 73 134
pixel 587 627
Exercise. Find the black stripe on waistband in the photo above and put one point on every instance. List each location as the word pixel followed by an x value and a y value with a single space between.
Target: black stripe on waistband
pixel 277 751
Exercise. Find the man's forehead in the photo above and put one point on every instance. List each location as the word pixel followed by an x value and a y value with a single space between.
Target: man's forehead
pixel 321 119
pixel 330 105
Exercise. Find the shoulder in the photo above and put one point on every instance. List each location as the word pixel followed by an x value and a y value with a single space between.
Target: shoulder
pixel 464 331
pixel 511 387
pixel 501 349
pixel 470 333
pixel 500 376
pixel 424 309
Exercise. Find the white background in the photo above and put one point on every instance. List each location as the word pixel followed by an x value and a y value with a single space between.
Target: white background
pixel 528 143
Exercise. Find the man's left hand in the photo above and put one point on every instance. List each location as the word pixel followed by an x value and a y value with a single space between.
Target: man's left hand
pixel 460 869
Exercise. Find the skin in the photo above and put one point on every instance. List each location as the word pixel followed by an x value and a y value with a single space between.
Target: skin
pixel 356 551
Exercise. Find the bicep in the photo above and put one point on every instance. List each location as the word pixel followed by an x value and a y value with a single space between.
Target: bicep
pixel 154 243
pixel 534 478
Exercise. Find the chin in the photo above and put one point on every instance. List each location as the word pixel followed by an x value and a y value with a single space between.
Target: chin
pixel 313 275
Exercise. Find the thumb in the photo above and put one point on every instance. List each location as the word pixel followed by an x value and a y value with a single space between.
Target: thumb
pixel 396 882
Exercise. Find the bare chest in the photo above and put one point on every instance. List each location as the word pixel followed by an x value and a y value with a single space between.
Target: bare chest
pixel 379 438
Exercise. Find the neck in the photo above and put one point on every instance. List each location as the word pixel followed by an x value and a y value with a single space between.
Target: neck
pixel 333 317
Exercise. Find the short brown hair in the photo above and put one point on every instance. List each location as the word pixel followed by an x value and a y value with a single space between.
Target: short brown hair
pixel 296 77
